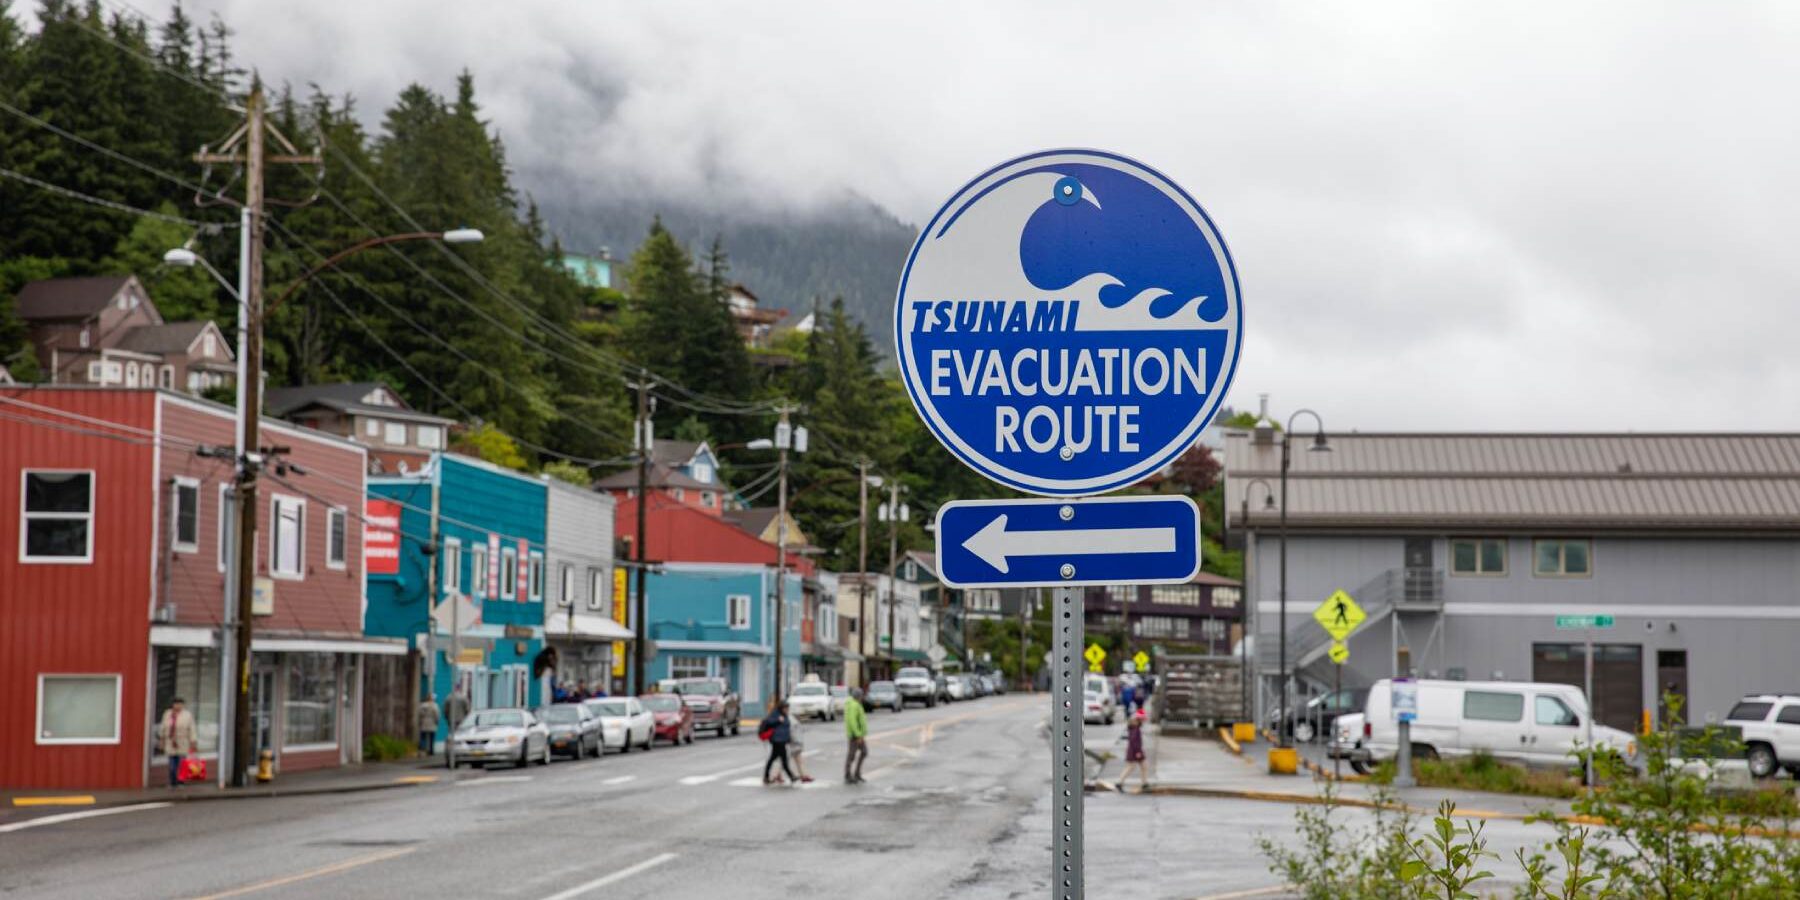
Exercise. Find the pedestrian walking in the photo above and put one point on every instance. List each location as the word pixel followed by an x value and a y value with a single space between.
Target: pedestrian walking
pixel 777 728
pixel 175 737
pixel 456 708
pixel 1134 752
pixel 428 722
pixel 797 747
pixel 856 729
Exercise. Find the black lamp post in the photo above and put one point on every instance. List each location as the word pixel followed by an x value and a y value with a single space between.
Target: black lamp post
pixel 1319 444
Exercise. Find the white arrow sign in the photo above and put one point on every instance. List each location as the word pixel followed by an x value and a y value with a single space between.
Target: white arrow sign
pixel 993 544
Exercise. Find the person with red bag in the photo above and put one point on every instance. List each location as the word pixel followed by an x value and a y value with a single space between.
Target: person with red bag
pixel 175 737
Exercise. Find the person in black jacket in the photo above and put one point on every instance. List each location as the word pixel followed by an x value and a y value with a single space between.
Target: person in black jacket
pixel 779 728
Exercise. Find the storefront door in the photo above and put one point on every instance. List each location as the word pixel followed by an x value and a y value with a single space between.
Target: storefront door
pixel 262 709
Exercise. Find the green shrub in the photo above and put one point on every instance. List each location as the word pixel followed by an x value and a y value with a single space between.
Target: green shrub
pixel 383 747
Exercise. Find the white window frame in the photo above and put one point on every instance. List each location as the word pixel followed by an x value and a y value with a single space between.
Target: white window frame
pixel 1478 571
pixel 387 434
pixel 703 472
pixel 118 700
pixel 565 583
pixel 452 565
pixel 25 518
pixel 596 588
pixel 1562 563
pixel 166 378
pixel 680 495
pixel 275 571
pixel 436 433
pixel 535 573
pixel 372 427
pixel 737 611
pixel 337 517
pixel 478 555
pixel 175 542
pixel 706 499
pixel 509 572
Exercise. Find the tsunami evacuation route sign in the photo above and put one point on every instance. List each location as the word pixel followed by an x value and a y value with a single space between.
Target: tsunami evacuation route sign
pixel 1068 322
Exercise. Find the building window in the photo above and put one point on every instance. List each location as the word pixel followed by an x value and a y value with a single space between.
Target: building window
pixel 509 573
pixel 1175 594
pixel 78 709
pixel 395 434
pixel 85 337
pixel 337 536
pixel 193 382
pixel 227 522
pixel 191 673
pixel 1560 557
pixel 453 566
pixel 596 588
pixel 57 517
pixel 1226 597
pixel 208 346
pixel 703 472
pixel 1493 706
pixel 565 576
pixel 187 516
pixel 431 437
pixel 167 379
pixel 371 427
pixel 310 713
pixel 1478 556
pixel 687 667
pixel 287 542
pixel 737 608
pixel 131 379
pixel 536 576
pixel 478 570
pixel 680 495
pixel 1122 593
pixel 706 499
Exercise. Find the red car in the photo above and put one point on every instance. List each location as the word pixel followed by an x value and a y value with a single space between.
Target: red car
pixel 674 720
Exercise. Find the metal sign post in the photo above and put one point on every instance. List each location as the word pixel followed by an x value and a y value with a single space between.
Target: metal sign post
pixel 1067 769
pixel 1587 624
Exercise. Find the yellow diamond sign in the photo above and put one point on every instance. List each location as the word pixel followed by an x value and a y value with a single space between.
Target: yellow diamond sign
pixel 1339 615
pixel 1340 652
pixel 1095 656
pixel 1143 661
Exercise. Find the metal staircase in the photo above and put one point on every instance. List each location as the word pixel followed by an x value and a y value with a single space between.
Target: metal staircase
pixel 1403 589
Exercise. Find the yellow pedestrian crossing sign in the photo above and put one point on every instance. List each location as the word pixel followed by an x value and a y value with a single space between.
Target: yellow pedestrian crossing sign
pixel 1340 652
pixel 1095 656
pixel 1143 661
pixel 1339 615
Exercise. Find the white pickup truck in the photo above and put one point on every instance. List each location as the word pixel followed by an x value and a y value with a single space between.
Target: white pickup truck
pixel 1535 723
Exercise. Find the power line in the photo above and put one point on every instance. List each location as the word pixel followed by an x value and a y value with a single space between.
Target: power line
pixel 121 157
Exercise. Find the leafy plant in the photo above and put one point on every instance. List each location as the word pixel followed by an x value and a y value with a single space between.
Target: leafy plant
pixel 1336 861
pixel 384 747
pixel 1445 862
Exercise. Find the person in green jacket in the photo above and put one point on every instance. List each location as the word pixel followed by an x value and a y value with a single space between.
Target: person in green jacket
pixel 856 728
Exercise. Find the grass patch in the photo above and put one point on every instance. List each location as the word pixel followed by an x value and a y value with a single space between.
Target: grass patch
pixel 1482 772
pixel 383 747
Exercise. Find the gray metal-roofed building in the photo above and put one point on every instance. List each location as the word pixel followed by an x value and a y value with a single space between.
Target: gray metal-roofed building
pixel 1464 548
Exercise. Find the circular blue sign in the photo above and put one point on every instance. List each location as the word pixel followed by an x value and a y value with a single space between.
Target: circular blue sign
pixel 1068 322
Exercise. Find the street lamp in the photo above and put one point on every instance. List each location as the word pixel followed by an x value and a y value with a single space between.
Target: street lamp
pixel 1247 599
pixel 1319 445
pixel 787 437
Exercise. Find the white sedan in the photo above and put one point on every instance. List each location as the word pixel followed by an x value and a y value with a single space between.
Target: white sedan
pixel 624 723
pixel 811 699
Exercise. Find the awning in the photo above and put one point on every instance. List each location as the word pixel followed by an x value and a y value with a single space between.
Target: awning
pixel 912 656
pixel 200 636
pixel 587 628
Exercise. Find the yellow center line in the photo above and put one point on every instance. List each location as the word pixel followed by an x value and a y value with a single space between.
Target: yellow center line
pixel 320 872
pixel 83 800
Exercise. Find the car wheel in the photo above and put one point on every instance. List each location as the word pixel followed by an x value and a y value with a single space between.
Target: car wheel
pixel 649 740
pixel 1762 760
pixel 545 759
pixel 524 756
pixel 1303 732
pixel 626 747
pixel 1424 751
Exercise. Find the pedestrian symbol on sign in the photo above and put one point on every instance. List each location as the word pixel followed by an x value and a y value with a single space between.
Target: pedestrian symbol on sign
pixel 1339 615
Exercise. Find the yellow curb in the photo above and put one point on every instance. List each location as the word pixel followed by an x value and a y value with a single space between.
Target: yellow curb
pixel 416 779
pixel 80 800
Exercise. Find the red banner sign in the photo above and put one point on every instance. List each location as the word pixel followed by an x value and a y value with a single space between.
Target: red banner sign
pixel 381 537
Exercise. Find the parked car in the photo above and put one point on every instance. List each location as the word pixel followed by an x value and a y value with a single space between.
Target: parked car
pixel 715 705
pixel 916 686
pixel 940 687
pixel 983 683
pixel 1534 723
pixel 1313 720
pixel 884 694
pixel 1099 705
pixel 574 729
pixel 501 735
pixel 624 722
pixel 674 720
pixel 840 698
pixel 1771 727
pixel 810 700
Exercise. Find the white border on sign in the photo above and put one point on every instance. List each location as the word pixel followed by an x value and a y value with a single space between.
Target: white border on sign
pixel 937 530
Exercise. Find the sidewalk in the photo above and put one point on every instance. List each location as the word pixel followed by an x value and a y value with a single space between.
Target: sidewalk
pixel 341 780
pixel 1206 767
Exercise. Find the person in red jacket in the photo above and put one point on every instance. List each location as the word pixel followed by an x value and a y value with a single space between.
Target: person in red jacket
pixel 1134 752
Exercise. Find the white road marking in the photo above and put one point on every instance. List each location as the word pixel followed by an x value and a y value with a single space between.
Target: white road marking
pixel 495 779
pixel 752 781
pixel 618 876
pixel 84 814
pixel 703 779
pixel 621 779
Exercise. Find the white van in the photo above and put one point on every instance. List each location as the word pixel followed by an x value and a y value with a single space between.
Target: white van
pixel 1535 723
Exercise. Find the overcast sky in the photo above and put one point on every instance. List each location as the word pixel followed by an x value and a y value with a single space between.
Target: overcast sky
pixel 1445 216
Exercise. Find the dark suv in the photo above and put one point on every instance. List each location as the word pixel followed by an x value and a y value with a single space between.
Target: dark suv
pixel 715 704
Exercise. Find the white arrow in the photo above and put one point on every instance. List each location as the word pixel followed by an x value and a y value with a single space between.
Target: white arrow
pixel 993 543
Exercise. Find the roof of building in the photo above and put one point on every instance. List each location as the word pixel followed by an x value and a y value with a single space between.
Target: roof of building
pixel 69 298
pixel 660 475
pixel 674 453
pixel 345 397
pixel 5 376
pixel 169 337
pixel 925 560
pixel 676 532
pixel 1212 580
pixel 1623 481
pixel 755 520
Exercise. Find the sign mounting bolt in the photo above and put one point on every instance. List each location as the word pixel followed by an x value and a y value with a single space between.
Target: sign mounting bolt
pixel 1067 513
pixel 1067 454
pixel 1068 570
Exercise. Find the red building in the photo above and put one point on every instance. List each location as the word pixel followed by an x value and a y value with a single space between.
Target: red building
pixel 113 593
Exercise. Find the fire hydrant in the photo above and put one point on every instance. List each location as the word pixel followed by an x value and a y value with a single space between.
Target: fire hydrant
pixel 265 766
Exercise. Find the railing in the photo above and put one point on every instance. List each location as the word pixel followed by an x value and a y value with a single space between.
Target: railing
pixel 1404 588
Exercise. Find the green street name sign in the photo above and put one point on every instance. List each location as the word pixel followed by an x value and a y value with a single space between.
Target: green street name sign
pixel 1576 622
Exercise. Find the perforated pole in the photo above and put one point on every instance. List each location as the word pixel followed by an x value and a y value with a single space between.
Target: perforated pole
pixel 1067 772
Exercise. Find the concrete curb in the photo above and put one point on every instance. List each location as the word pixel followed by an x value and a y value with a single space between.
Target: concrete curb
pixel 209 796
pixel 1321 771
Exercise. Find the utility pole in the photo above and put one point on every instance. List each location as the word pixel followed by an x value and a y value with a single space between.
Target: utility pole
pixel 644 437
pixel 862 567
pixel 783 440
pixel 893 517
pixel 249 390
